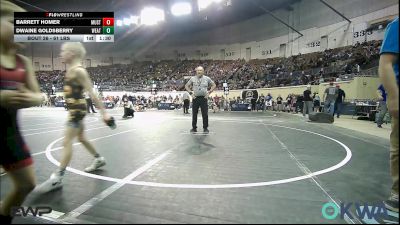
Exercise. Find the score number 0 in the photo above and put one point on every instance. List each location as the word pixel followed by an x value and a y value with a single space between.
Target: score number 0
pixel 108 21
pixel 108 25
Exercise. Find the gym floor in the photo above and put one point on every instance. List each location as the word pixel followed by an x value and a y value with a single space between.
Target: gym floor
pixel 250 168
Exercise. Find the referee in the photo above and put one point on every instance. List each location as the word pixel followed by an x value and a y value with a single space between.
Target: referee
pixel 89 103
pixel 200 84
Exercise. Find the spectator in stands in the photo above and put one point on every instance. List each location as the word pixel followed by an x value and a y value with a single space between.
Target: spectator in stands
pixel 253 103
pixel 186 102
pixel 339 101
pixel 389 76
pixel 214 106
pixel 272 72
pixel 261 102
pixel 289 103
pixel 231 102
pixel 131 99
pixel 239 100
pixel 222 102
pixel 317 102
pixel 268 102
pixel 308 101
pixel 128 108
pixel 330 96
pixel 176 102
pixel 210 102
pixel 279 102
pixel 382 107
pixel 116 100
pixel 294 104
pixel 217 101
pixel 299 103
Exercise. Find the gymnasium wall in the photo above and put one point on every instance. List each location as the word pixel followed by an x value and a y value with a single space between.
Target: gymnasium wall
pixel 257 38
pixel 303 15
pixel 263 35
pixel 338 35
pixel 359 88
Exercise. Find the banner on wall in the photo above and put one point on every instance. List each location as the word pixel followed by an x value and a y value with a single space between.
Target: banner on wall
pixel 166 106
pixel 241 107
pixel 249 94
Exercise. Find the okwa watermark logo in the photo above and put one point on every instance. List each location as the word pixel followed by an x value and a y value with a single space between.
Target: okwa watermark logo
pixel 331 211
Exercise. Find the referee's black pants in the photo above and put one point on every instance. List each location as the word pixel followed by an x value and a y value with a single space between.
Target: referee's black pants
pixel 89 105
pixel 186 104
pixel 200 102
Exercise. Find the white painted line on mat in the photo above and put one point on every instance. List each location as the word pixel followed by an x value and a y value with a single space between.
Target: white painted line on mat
pixel 249 119
pixel 352 136
pixel 30 125
pixel 54 215
pixel 104 194
pixel 43 128
pixel 26 119
pixel 94 139
pixel 50 131
pixel 216 186
pixel 307 171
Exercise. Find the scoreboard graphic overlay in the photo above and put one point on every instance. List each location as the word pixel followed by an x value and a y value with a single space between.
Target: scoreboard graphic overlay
pixel 64 26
